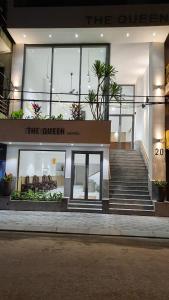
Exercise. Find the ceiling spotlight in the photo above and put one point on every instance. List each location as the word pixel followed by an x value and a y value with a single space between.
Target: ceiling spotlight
pixel 101 34
pixel 127 34
pixel 50 36
pixel 154 33
pixel 24 35
pixel 76 35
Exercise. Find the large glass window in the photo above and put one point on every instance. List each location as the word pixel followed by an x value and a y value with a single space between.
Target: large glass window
pixel 41 171
pixel 66 74
pixel 58 74
pixel 37 79
pixel 88 79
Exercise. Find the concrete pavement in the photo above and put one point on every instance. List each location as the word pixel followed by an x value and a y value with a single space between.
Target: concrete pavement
pixel 85 223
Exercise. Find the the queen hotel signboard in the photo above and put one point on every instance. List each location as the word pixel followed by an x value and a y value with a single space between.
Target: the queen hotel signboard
pixel 48 14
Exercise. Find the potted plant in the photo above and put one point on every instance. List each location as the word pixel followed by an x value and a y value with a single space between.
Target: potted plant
pixel 36 110
pixel 17 115
pixel 161 185
pixel 7 184
pixel 76 112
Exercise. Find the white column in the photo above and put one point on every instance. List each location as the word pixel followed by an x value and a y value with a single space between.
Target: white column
pixel 156 113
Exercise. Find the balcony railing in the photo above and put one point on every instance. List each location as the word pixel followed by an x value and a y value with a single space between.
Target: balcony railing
pixel 70 106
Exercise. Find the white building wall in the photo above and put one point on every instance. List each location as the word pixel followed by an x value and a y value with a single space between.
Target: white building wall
pixel 157 167
pixel 142 114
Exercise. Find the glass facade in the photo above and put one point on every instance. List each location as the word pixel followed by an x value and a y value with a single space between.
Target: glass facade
pixel 58 76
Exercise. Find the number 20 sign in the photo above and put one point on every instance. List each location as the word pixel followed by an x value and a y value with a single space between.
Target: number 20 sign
pixel 159 151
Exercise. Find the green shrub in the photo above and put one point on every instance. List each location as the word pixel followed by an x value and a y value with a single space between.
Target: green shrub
pixel 17 114
pixel 36 196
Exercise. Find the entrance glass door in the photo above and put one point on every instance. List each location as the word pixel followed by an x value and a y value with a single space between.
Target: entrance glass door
pixel 86 175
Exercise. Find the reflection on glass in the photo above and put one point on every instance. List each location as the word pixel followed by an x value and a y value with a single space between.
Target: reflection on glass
pixel 41 171
pixel 88 78
pixel 67 77
pixel 94 177
pixel 79 184
pixel 66 67
pixel 37 79
pixel 128 96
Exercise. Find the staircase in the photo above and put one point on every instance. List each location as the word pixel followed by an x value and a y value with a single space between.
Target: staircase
pixel 86 206
pixel 128 186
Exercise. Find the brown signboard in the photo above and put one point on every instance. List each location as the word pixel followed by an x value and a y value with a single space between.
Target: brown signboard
pixel 51 131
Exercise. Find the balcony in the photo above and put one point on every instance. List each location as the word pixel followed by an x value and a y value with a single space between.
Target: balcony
pixel 76 125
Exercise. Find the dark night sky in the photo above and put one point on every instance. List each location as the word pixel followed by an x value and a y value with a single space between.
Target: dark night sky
pixel 84 2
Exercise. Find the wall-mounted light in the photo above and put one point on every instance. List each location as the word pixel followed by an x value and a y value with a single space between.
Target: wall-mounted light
pixel 162 140
pixel 16 88
pixel 158 86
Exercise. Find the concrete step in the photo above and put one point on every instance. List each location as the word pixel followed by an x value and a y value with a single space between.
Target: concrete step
pixel 83 205
pixel 125 159
pixel 85 210
pixel 131 201
pixel 128 173
pixel 116 187
pixel 131 206
pixel 138 212
pixel 129 196
pixel 128 182
pixel 127 165
pixel 124 191
pixel 134 178
pixel 85 201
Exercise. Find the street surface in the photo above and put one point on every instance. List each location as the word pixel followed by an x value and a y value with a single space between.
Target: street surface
pixel 72 267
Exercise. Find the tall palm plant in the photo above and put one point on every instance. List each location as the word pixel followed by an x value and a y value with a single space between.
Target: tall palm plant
pixel 106 87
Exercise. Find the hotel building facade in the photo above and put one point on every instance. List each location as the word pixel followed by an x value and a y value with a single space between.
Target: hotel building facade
pixel 47 55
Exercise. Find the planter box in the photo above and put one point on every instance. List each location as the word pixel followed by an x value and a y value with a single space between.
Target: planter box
pixel 162 209
pixel 27 205
pixel 4 202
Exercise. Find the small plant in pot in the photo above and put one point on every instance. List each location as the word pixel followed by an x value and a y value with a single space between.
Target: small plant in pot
pixel 37 110
pixel 17 115
pixel 7 184
pixel 161 185
pixel 76 112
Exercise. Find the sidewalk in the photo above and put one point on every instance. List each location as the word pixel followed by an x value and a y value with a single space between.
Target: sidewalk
pixel 85 223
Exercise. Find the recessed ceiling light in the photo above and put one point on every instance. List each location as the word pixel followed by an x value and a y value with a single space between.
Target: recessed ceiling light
pixel 50 36
pixel 127 34
pixel 154 33
pixel 10 143
pixel 76 35
pixel 101 34
pixel 24 35
pixel 72 144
